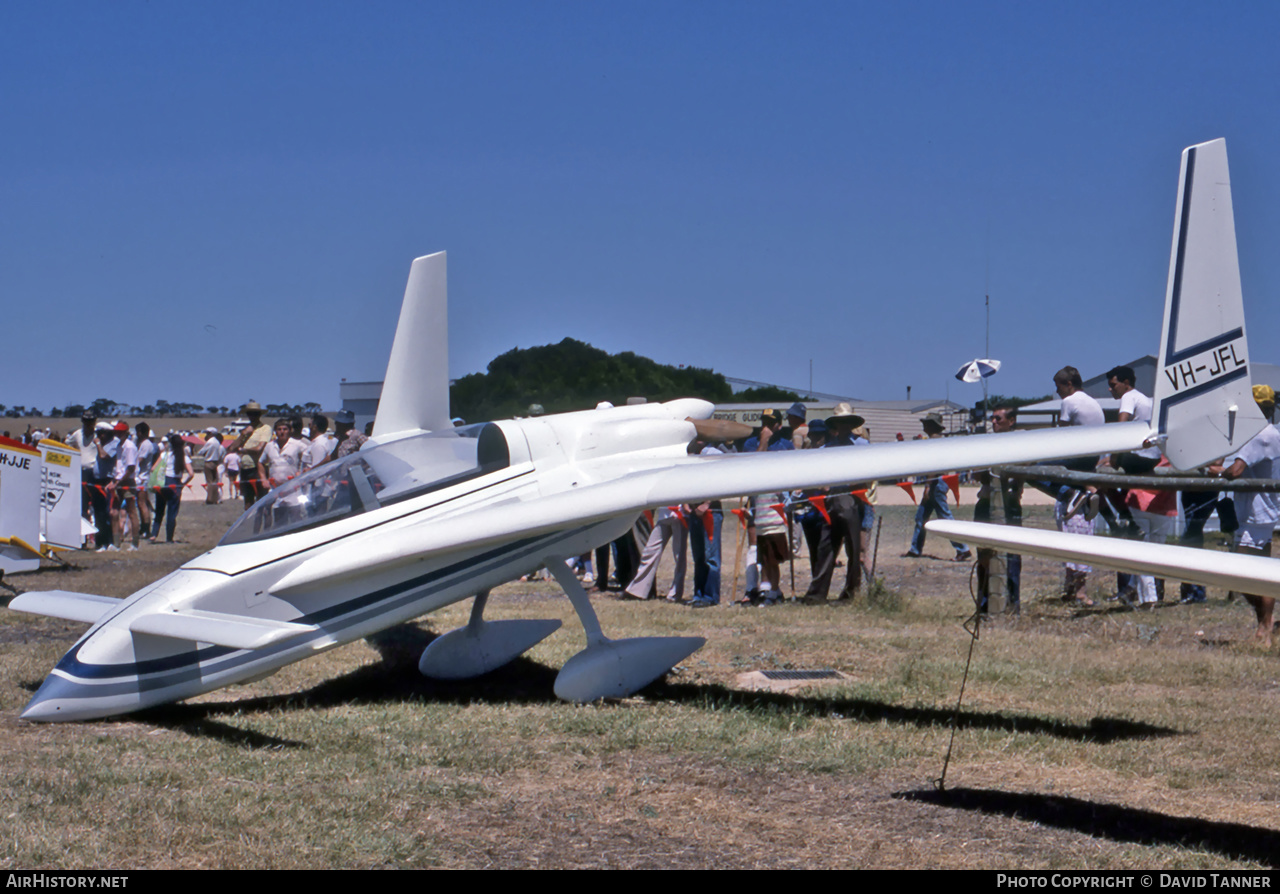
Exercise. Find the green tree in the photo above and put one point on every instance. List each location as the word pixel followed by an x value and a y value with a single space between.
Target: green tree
pixel 573 375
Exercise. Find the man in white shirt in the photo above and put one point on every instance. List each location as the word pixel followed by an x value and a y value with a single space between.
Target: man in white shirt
pixel 1257 513
pixel 1134 407
pixel 283 460
pixel 212 453
pixel 1078 408
pixel 322 443
pixel 82 439
pixel 283 456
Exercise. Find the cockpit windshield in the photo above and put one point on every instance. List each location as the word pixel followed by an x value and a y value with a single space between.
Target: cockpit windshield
pixel 372 478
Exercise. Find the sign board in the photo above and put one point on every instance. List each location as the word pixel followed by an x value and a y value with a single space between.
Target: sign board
pixel 19 507
pixel 60 495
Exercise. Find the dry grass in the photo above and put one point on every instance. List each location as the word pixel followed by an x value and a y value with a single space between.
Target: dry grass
pixel 1098 739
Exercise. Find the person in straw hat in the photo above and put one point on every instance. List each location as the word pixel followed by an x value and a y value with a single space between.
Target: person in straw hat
pixel 249 447
pixel 845 512
pixel 934 499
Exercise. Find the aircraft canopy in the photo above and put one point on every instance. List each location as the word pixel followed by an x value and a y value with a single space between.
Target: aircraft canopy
pixel 371 478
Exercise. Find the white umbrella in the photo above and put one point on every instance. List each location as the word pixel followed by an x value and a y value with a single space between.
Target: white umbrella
pixel 977 370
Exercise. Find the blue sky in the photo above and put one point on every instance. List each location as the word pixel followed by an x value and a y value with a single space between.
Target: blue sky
pixel 212 202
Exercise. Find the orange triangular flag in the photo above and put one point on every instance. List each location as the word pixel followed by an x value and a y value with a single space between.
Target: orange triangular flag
pixel 953 482
pixel 820 504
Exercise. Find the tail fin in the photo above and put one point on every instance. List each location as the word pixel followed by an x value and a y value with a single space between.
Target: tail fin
pixel 415 393
pixel 1203 400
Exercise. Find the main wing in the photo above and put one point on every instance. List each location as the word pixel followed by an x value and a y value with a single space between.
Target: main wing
pixel 1251 574
pixel 698 478
pixel 709 477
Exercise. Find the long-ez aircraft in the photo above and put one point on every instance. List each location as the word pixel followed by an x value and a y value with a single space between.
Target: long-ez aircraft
pixel 426 515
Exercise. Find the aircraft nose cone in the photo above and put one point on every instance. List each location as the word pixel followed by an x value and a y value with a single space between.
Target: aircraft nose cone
pixel 59 699
pixel 39 711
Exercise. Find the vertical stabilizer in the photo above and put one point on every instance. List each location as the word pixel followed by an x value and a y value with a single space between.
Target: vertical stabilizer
pixel 1203 398
pixel 415 393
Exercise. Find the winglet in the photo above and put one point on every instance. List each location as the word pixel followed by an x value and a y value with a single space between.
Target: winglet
pixel 1203 398
pixel 415 392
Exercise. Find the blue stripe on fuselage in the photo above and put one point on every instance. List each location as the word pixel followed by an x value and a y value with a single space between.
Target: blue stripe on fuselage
pixel 71 666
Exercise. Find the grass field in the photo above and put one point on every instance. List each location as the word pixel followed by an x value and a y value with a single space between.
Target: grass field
pixel 1087 739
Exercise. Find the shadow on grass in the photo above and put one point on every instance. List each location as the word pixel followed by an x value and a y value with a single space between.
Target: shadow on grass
pixel 396 679
pixel 1113 822
pixel 1099 730
pixel 206 728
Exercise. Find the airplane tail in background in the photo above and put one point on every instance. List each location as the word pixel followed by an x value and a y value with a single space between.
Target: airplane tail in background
pixel 415 393
pixel 1203 401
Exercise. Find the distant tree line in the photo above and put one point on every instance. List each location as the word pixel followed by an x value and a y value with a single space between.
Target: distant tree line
pixel 104 408
pixel 571 375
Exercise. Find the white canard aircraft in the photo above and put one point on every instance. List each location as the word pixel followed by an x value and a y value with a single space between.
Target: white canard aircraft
pixel 426 515
pixel 1203 398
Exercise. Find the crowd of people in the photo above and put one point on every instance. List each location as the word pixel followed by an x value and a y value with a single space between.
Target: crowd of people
pixel 832 521
pixel 133 482
pixel 123 471
pixel 827 520
pixel 1136 513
